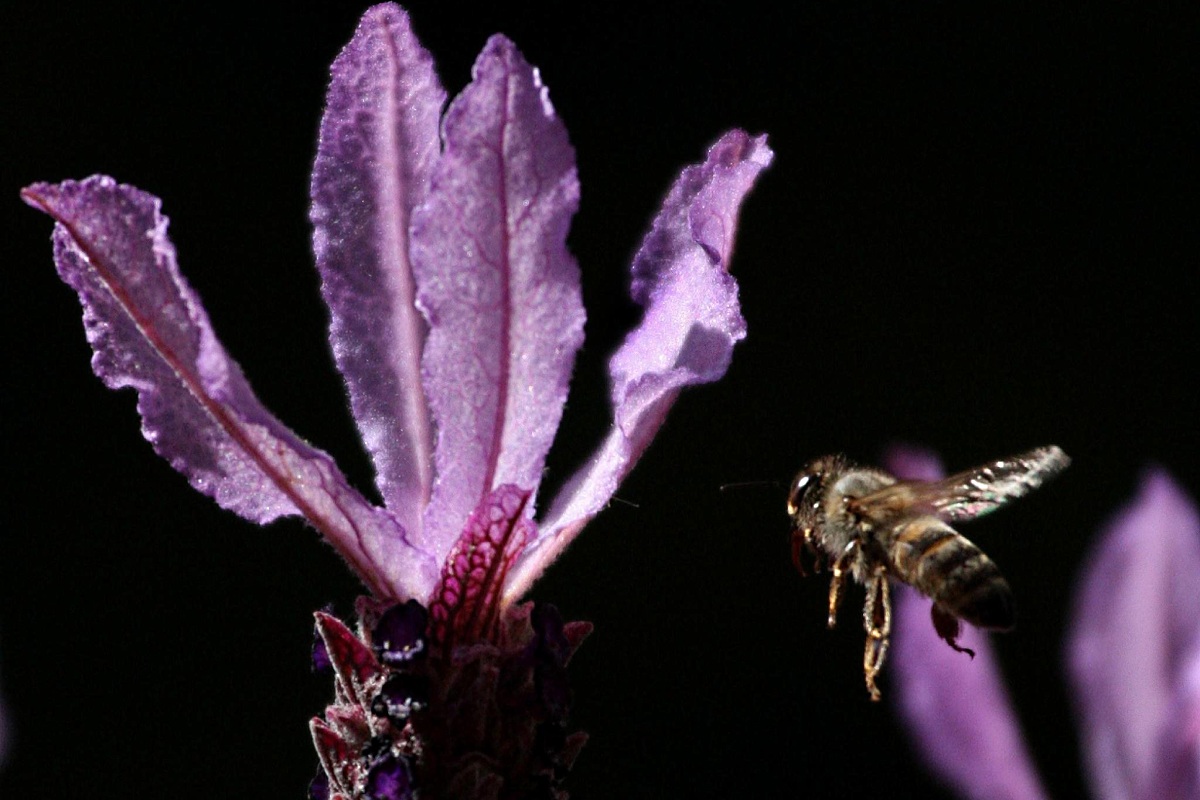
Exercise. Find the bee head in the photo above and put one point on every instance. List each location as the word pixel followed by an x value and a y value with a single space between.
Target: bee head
pixel 809 488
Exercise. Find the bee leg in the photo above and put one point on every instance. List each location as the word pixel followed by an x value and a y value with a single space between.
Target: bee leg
pixel 949 628
pixel 818 555
pixel 877 621
pixel 835 583
pixel 799 545
pixel 802 542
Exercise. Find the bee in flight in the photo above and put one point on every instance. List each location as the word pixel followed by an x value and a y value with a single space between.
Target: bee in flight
pixel 867 523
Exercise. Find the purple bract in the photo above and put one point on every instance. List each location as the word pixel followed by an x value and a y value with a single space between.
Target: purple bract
pixel 455 314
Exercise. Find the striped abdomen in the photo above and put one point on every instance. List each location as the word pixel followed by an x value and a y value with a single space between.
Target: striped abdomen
pixel 944 565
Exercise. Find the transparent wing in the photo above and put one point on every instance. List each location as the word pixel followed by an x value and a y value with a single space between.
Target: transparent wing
pixel 966 495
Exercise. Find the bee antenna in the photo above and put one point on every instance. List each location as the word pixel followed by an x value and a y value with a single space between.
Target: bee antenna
pixel 743 484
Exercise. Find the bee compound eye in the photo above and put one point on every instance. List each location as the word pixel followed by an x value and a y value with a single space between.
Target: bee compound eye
pixel 798 486
pixel 803 486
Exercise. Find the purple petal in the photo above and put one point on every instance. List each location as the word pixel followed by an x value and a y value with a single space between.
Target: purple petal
pixel 956 707
pixel 378 144
pixel 150 332
pixel 1132 654
pixel 913 463
pixel 390 778
pixel 1177 772
pixel 691 322
pixel 318 787
pixel 498 286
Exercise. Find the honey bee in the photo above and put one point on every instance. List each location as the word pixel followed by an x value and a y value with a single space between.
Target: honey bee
pixel 868 524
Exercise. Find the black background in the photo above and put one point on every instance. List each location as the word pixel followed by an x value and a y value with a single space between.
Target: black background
pixel 977 235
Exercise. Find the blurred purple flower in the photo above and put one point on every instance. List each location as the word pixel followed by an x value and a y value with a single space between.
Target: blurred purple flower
pixel 1133 658
pixel 456 315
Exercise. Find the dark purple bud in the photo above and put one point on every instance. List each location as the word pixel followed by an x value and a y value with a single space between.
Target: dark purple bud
pixel 318 789
pixel 403 694
pixel 400 635
pixel 390 778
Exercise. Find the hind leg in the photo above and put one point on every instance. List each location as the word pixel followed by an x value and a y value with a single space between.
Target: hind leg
pixel 877 621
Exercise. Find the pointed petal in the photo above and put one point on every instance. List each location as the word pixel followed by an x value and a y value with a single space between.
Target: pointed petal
pixel 466 606
pixel 957 708
pixel 331 748
pixel 1131 655
pixel 378 144
pixel 150 332
pixel 499 288
pixel 686 337
pixel 353 662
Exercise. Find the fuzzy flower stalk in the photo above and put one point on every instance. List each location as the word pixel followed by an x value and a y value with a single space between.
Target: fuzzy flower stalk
pixel 456 316
pixel 1132 658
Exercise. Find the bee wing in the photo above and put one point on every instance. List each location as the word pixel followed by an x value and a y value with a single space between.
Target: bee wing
pixel 966 495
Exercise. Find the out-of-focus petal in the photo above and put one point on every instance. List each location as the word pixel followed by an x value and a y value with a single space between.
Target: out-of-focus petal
pixel 913 463
pixel 686 336
pixel 956 707
pixel 498 287
pixel 1132 652
pixel 1177 773
pixel 150 332
pixel 378 143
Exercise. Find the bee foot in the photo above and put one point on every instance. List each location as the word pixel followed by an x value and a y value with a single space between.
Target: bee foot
pixel 948 628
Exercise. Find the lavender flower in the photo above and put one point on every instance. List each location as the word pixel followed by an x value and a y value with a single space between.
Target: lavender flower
pixel 455 320
pixel 1133 657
